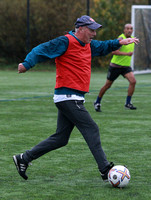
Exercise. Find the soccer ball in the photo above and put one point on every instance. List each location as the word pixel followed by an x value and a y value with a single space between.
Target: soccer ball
pixel 119 176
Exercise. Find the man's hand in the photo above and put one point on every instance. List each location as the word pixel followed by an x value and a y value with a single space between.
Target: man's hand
pixel 129 41
pixel 21 68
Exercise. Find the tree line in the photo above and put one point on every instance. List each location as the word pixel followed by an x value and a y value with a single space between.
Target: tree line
pixel 50 19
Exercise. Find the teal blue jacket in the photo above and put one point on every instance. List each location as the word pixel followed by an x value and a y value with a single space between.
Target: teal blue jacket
pixel 59 45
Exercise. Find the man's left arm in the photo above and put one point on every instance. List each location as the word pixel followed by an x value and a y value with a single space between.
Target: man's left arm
pixel 102 48
pixel 46 51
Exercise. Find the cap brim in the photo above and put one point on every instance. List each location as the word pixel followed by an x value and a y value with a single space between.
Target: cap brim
pixel 94 26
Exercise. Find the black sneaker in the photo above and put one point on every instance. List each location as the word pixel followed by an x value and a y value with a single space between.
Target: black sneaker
pixel 97 107
pixel 130 106
pixel 104 175
pixel 21 165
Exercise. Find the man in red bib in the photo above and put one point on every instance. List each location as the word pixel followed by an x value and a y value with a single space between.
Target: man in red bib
pixel 73 53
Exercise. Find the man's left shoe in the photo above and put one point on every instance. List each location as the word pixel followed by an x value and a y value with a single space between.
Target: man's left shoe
pixel 104 175
pixel 130 106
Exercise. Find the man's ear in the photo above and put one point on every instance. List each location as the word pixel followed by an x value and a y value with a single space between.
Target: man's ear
pixel 81 28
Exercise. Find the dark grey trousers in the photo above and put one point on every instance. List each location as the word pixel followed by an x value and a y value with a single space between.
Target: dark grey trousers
pixel 71 113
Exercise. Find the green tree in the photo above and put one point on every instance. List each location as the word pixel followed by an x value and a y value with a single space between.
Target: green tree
pixel 12 28
pixel 48 19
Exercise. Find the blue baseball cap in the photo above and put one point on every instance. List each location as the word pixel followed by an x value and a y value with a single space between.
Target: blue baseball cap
pixel 86 20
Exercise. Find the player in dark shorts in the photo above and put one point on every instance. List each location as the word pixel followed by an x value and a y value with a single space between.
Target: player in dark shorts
pixel 114 72
pixel 120 65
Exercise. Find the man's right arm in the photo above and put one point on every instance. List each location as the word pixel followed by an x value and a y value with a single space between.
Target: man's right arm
pixel 43 52
pixel 21 68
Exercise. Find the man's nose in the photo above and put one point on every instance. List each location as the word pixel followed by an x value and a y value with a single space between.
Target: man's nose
pixel 94 33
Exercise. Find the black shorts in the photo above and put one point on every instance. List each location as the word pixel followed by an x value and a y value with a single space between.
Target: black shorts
pixel 114 72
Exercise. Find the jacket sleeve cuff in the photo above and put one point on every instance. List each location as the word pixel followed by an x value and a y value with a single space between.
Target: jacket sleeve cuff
pixel 26 65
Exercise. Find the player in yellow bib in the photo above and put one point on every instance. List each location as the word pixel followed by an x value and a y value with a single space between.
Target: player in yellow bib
pixel 120 65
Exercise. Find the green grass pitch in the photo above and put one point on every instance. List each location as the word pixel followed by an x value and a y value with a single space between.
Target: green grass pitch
pixel 28 115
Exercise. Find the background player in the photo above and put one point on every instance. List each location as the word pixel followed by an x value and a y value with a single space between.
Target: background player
pixel 120 65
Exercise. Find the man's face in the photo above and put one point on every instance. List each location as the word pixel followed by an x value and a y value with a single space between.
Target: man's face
pixel 88 34
pixel 128 30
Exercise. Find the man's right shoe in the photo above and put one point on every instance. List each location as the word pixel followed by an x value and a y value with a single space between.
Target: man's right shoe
pixel 97 107
pixel 104 175
pixel 21 166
